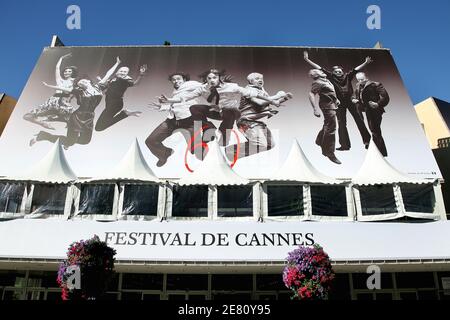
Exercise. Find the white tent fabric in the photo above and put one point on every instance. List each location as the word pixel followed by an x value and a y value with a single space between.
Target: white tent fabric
pixel 377 170
pixel 297 168
pixel 53 168
pixel 132 167
pixel 214 170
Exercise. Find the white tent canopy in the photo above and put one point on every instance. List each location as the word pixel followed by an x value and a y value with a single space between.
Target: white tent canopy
pixel 214 170
pixel 132 167
pixel 297 168
pixel 53 168
pixel 377 170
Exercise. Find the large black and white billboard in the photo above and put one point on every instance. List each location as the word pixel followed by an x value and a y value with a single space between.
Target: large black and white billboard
pixel 254 101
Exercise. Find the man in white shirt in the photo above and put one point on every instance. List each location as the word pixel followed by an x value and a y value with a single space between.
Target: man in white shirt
pixel 179 117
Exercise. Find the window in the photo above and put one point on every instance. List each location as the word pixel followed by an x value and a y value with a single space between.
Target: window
pixel 340 289
pixel 378 199
pixel 418 198
pixel 235 201
pixel 415 280
pixel 329 201
pixel 140 199
pixel 360 280
pixel 270 282
pixel 142 281
pixel 49 199
pixel 187 282
pixel 11 195
pixel 190 201
pixel 96 199
pixel 285 200
pixel 11 278
pixel 232 282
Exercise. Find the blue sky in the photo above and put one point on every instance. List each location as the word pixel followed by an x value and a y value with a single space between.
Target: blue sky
pixel 415 31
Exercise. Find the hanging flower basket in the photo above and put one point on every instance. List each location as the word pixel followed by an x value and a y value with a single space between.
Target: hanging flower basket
pixel 94 262
pixel 308 273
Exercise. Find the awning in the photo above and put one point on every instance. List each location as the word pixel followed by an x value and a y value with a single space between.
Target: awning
pixel 297 168
pixel 132 167
pixel 214 170
pixel 53 168
pixel 377 170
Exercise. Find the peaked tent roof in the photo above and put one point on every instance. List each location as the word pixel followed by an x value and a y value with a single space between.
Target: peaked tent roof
pixel 377 170
pixel 132 167
pixel 53 168
pixel 214 170
pixel 298 168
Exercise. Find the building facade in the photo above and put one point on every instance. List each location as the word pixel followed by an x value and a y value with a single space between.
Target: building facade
pixel 205 217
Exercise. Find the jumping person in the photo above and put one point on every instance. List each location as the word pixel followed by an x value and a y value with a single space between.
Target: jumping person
pixel 251 124
pixel 342 83
pixel 323 97
pixel 57 107
pixel 178 118
pixel 115 89
pixel 373 98
pixel 81 122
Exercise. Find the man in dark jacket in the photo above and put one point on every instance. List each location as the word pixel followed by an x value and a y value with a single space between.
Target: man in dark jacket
pixel 372 98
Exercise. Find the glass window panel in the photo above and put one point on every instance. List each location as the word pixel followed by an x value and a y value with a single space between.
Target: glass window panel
pixel 445 274
pixel 11 195
pixel 113 284
pixel 444 296
pixel 408 296
pixel 197 297
pixel 284 296
pixel 267 297
pixel 418 198
pixel 142 281
pixel 384 296
pixel 109 296
pixel 232 296
pixel 187 282
pixel 235 201
pixel 329 201
pixel 232 282
pixel 340 289
pixel 270 282
pixel 378 199
pixel 190 201
pixel 360 280
pixel 364 296
pixel 140 199
pixel 131 296
pixel 427 295
pixel 8 278
pixel 285 200
pixel 12 295
pixel 54 296
pixel 415 280
pixel 96 199
pixel 49 198
pixel 151 297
